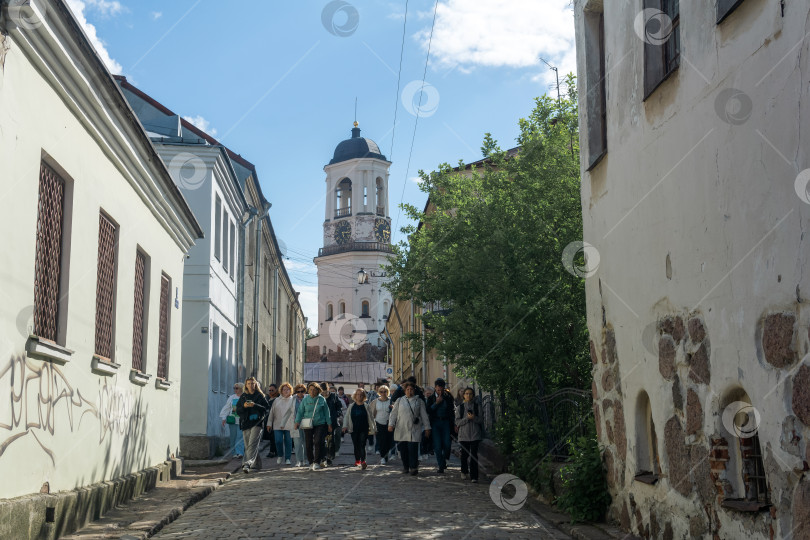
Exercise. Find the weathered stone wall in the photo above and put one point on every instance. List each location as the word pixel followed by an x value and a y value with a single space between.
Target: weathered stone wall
pixel 699 217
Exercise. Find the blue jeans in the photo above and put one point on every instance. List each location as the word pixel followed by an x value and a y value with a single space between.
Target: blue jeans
pixel 236 440
pixel 283 440
pixel 440 433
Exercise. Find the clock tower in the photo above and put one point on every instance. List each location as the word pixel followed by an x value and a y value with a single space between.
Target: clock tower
pixel 353 305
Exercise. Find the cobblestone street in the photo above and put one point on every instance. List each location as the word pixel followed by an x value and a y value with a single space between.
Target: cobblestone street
pixel 345 502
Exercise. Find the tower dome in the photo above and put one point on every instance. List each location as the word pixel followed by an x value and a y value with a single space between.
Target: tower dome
pixel 356 147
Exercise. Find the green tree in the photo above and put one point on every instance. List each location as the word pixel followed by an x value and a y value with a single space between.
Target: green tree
pixel 489 250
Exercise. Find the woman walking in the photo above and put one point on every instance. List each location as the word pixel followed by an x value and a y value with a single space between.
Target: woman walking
pixel 298 434
pixel 281 422
pixel 470 427
pixel 231 419
pixel 313 417
pixel 360 423
pixel 406 422
pixel 381 410
pixel 252 407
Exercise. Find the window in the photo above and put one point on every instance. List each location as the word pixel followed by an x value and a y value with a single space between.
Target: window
pixel 725 7
pixel 141 311
pixel 342 308
pixel 662 43
pixel 217 225
pixel 233 248
pixel 745 471
pixel 215 348
pixel 225 249
pixel 364 308
pixel 385 311
pixel 164 328
pixel 329 312
pixel 343 198
pixel 223 363
pixel 380 197
pixel 595 100
pixel 105 287
pixel 647 463
pixel 48 268
pixel 365 196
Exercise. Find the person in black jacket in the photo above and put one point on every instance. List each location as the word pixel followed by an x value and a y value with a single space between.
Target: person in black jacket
pixel 252 408
pixel 441 411
pixel 399 392
pixel 335 412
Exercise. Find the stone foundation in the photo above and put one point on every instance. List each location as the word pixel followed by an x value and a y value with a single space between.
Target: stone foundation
pixel 52 515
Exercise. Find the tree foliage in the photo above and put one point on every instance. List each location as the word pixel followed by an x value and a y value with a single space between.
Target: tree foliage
pixel 489 248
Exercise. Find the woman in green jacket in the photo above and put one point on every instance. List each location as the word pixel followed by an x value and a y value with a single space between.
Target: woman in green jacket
pixel 315 412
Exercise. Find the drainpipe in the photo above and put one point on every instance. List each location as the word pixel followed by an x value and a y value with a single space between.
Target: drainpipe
pixel 275 315
pixel 256 287
pixel 240 287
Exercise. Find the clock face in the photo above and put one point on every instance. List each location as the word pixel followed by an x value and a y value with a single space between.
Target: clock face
pixel 343 232
pixel 382 230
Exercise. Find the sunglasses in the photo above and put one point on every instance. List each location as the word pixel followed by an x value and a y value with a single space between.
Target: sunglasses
pixel 300 391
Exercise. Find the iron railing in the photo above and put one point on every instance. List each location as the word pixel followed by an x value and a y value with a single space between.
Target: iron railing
pixel 355 246
pixel 47 270
pixel 343 212
pixel 140 309
pixel 105 287
pixel 163 340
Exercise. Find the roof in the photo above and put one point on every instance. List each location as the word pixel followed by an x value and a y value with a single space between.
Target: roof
pixel 356 147
pixel 348 372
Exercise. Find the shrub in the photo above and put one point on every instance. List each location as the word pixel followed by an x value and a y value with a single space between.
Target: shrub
pixel 585 496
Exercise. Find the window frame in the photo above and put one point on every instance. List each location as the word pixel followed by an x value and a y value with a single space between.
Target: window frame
pixel 657 67
pixel 139 361
pixel 217 227
pixel 164 327
pixel 107 269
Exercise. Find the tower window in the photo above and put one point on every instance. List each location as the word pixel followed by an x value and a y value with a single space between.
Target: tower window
pixel 364 308
pixel 380 197
pixel 329 313
pixel 342 308
pixel 343 198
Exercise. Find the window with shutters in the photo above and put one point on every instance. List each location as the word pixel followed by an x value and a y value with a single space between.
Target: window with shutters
pixel 141 311
pixel 595 100
pixel 225 249
pixel 48 271
pixel 217 226
pixel 164 328
pixel 232 243
pixel 105 287
pixel 725 7
pixel 662 42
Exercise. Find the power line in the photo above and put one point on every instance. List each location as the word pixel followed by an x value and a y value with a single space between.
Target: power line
pixel 418 110
pixel 399 75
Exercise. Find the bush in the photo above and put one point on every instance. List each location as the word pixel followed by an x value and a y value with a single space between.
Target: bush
pixel 585 496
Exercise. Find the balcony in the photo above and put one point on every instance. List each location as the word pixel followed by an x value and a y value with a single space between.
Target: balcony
pixel 343 212
pixel 381 211
pixel 355 246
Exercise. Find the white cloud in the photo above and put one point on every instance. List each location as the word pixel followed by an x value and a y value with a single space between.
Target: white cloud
pixel 107 8
pixel 416 179
pixel 502 33
pixel 78 7
pixel 157 14
pixel 201 123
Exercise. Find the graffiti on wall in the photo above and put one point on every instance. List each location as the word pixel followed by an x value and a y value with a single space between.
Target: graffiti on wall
pixel 36 400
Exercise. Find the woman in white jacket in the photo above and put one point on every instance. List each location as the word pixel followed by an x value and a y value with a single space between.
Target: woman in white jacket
pixel 407 420
pixel 282 422
pixel 229 410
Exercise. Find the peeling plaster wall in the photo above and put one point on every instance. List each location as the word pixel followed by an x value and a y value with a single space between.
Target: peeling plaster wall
pixel 701 286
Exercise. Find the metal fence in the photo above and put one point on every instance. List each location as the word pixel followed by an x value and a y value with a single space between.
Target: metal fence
pixel 561 416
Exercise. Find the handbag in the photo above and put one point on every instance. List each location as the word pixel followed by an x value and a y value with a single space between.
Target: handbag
pixel 306 423
pixel 230 419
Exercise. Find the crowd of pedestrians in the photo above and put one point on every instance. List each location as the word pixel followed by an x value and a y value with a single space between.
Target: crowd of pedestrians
pixel 311 421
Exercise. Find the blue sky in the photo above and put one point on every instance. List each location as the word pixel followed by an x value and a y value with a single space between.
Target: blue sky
pixel 276 82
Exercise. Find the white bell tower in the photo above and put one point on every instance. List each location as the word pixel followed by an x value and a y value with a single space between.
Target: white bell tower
pixel 356 236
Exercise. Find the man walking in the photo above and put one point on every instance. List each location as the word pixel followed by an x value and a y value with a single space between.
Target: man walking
pixel 441 411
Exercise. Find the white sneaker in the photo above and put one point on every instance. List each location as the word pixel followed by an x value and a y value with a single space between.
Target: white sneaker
pixel 323 464
pixel 463 476
pixel 383 461
pixel 316 467
pixel 278 461
pixel 287 462
pixel 377 452
pixel 299 464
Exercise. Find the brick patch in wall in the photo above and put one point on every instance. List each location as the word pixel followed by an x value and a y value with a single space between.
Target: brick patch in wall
pixel 801 395
pixel 777 339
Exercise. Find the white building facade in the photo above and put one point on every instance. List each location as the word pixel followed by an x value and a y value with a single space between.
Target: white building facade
pixel 356 236
pixel 204 173
pixel 694 177
pixel 96 236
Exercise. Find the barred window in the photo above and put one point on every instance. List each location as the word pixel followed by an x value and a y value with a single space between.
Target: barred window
pixel 105 287
pixel 48 266
pixel 163 341
pixel 140 312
